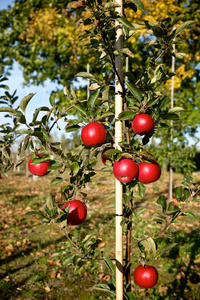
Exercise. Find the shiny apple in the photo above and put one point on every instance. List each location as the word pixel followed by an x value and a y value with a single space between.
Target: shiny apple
pixel 77 212
pixel 40 169
pixel 143 124
pixel 125 170
pixel 93 134
pixel 145 276
pixel 148 172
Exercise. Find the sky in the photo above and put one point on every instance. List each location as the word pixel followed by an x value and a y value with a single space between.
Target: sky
pixel 15 82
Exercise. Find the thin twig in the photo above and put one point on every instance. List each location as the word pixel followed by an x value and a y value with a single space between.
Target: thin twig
pixel 170 222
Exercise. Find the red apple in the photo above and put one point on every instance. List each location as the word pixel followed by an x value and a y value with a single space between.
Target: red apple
pixel 142 124
pixel 77 212
pixel 103 159
pixel 93 134
pixel 40 169
pixel 148 172
pixel 146 276
pixel 125 170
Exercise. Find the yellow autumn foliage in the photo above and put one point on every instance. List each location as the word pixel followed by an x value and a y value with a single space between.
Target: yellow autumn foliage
pixel 157 10
pixel 48 25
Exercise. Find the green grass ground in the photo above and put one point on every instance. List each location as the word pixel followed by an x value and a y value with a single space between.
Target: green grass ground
pixel 32 254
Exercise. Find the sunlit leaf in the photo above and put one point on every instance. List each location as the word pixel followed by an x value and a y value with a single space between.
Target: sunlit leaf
pixel 190 215
pixel 183 26
pixel 134 91
pixel 56 180
pixel 25 101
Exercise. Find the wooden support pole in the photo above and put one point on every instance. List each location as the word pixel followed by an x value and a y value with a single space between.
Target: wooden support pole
pixel 172 105
pixel 118 138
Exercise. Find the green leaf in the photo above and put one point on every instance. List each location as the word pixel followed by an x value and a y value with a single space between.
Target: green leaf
pixel 139 211
pixel 86 75
pixel 190 215
pixel 162 200
pixel 43 108
pixel 76 257
pixel 142 189
pixel 104 116
pixel 125 22
pixel 179 55
pixel 81 110
pixel 10 111
pixel 139 4
pixel 24 131
pixel 183 26
pixel 130 296
pixel 24 102
pixel 22 119
pixel 175 109
pixel 93 98
pixel 3 86
pixel 74 168
pixel 178 192
pixel 68 260
pixel 186 193
pixel 50 202
pixel 56 180
pixel 6 152
pixel 101 287
pixel 38 134
pixel 52 99
pixel 189 179
pixel 87 238
pixel 126 115
pixel 150 245
pixel 109 264
pixel 94 86
pixel 134 91
pixel 72 128
pixel 165 249
pixel 104 287
pixel 39 160
pixel 171 117
pixel 34 212
pixel 177 19
pixel 152 102
pixel 125 51
pixel 157 31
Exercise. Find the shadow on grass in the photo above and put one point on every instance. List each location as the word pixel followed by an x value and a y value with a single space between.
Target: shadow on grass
pixel 187 272
pixel 30 250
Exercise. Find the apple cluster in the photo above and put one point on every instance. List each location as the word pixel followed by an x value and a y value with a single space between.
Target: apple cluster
pixel 125 169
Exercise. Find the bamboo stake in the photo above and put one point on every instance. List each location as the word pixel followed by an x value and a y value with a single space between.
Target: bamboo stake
pixel 118 138
pixel 172 105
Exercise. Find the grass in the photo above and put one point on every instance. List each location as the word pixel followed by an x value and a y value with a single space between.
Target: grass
pixel 33 254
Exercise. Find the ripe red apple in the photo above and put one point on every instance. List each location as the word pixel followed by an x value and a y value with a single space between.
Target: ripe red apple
pixel 103 159
pixel 93 134
pixel 148 172
pixel 40 169
pixel 77 212
pixel 146 276
pixel 125 170
pixel 142 124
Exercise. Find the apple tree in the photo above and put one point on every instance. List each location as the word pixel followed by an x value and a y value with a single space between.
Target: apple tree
pixel 143 114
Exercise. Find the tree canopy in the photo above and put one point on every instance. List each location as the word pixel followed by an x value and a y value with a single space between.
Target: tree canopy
pixel 44 38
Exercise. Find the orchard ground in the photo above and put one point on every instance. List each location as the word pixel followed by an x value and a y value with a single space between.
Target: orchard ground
pixel 32 266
